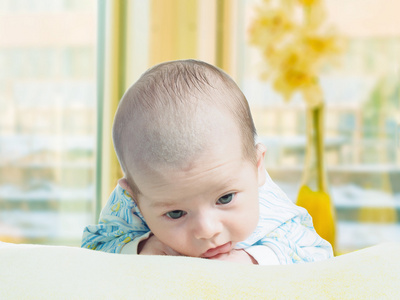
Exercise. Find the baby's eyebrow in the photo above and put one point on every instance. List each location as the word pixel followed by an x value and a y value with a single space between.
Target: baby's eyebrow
pixel 162 204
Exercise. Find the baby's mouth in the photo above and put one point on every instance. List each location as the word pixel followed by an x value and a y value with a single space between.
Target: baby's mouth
pixel 217 250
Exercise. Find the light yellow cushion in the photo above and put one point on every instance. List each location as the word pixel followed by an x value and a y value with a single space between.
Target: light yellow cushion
pixel 28 271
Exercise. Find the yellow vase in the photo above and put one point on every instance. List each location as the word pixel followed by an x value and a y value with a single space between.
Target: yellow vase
pixel 319 206
pixel 316 199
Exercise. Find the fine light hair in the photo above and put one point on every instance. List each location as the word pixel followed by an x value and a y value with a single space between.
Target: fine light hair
pixel 161 119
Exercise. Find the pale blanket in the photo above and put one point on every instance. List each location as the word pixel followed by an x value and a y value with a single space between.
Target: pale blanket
pixel 29 272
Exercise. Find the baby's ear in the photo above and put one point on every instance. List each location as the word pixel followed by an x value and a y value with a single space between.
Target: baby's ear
pixel 124 184
pixel 261 149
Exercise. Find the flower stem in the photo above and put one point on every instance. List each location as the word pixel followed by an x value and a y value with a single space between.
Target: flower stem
pixel 309 150
pixel 318 124
pixel 314 155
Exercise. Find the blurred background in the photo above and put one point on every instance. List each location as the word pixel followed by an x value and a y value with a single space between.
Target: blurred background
pixel 64 65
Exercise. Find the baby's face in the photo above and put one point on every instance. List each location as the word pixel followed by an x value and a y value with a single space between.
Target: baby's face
pixel 209 206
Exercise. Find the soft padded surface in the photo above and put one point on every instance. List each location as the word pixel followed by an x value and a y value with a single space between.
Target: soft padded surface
pixel 28 271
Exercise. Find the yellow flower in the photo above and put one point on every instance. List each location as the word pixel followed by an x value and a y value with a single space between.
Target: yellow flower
pixel 321 46
pixel 293 70
pixel 269 26
pixel 294 51
pixel 309 2
pixel 290 80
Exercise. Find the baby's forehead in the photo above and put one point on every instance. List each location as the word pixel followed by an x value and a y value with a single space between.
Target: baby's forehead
pixel 203 177
pixel 176 138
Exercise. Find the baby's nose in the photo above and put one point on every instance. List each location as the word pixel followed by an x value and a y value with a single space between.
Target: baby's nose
pixel 207 227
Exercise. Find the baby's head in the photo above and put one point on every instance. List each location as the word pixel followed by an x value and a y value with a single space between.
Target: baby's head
pixel 184 136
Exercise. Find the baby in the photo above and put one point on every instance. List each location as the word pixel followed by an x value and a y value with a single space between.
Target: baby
pixel 194 179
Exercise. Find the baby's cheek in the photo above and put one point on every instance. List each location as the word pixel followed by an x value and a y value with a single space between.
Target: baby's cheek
pixel 242 230
pixel 249 222
pixel 251 226
pixel 178 243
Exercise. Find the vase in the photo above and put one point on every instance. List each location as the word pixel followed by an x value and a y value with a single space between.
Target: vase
pixel 313 194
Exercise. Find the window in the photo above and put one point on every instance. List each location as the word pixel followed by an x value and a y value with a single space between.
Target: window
pixel 47 120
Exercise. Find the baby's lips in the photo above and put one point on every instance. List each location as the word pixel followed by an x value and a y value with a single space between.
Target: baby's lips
pixel 217 250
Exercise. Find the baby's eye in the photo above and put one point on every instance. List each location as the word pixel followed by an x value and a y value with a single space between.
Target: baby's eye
pixel 226 199
pixel 175 214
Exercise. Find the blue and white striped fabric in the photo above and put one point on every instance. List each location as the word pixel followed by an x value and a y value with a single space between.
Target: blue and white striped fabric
pixel 120 222
pixel 286 229
pixel 283 227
